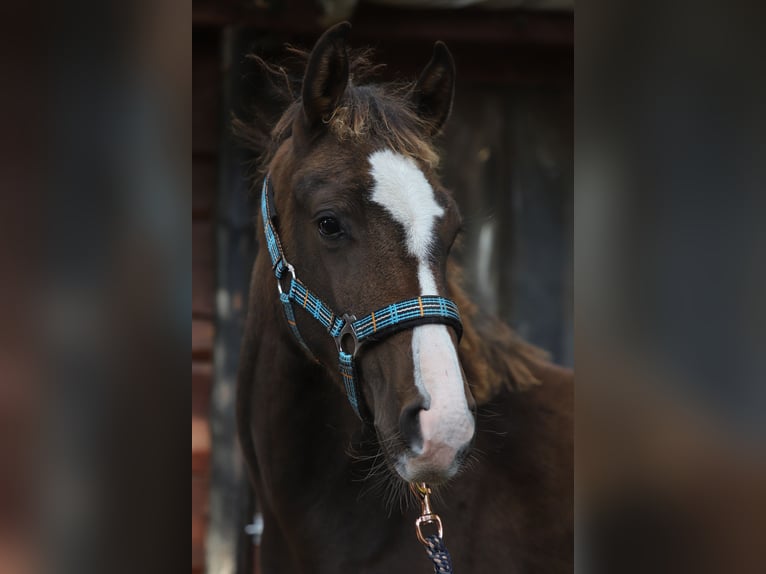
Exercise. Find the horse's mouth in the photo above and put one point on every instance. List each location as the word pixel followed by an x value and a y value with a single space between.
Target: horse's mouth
pixel 430 460
pixel 436 468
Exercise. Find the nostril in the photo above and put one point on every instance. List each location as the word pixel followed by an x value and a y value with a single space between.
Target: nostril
pixel 409 425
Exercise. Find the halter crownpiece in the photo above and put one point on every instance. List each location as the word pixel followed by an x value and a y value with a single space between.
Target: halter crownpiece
pixel 350 333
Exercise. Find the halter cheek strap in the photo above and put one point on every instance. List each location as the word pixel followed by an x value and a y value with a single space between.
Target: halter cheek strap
pixel 350 333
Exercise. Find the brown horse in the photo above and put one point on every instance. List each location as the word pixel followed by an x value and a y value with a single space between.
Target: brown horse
pixel 485 419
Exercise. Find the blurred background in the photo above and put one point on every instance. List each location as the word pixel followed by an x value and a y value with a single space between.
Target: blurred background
pixel 507 157
pixel 97 269
pixel 670 441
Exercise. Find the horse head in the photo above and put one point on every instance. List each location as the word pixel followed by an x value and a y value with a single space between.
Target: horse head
pixel 366 222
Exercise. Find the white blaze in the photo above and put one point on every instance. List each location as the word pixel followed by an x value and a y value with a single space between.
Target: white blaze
pixel 402 189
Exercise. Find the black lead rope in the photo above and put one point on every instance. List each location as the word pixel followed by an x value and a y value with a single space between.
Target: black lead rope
pixel 433 543
pixel 438 554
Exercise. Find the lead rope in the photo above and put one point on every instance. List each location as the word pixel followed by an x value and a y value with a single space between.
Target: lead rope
pixel 433 543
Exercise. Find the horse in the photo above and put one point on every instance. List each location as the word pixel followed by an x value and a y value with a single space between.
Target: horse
pixel 429 391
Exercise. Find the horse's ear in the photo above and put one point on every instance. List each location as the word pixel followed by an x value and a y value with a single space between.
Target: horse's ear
pixel 435 89
pixel 326 74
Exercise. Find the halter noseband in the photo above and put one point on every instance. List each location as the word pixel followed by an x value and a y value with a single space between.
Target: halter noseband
pixel 347 329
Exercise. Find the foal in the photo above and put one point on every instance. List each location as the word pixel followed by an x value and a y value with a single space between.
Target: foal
pixel 354 203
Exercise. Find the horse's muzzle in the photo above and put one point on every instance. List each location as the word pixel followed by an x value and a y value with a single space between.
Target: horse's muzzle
pixel 441 454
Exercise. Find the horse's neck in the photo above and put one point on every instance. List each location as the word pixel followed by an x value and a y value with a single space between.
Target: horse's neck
pixel 308 443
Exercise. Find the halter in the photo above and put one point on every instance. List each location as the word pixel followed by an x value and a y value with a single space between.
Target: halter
pixel 350 333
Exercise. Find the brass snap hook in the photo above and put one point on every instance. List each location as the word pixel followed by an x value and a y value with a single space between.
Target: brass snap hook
pixel 427 516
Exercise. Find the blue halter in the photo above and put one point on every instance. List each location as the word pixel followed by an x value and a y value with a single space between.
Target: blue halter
pixel 348 331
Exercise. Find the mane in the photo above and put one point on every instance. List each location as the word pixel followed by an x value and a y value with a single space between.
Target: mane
pixel 493 356
pixel 380 111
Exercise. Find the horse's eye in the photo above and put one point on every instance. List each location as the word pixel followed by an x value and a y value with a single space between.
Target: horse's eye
pixel 329 227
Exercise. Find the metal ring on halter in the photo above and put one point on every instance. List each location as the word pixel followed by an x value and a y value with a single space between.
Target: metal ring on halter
pixel 291 269
pixel 348 334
